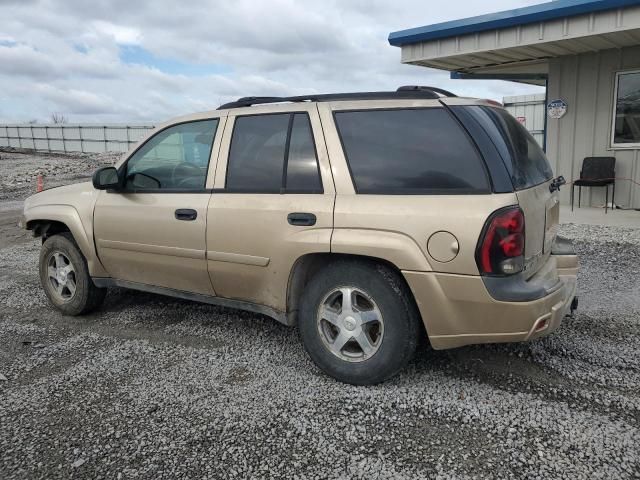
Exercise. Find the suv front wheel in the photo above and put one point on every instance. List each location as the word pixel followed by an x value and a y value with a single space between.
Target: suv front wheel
pixel 65 276
pixel 358 323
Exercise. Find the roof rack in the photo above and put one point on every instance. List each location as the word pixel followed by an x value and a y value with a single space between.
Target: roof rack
pixel 405 92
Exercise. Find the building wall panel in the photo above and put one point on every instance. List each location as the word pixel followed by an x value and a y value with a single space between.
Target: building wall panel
pixel 532 109
pixel 586 82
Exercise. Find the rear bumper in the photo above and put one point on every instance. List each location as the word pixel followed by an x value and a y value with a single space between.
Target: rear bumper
pixel 458 310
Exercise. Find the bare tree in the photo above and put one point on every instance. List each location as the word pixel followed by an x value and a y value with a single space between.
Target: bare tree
pixel 57 118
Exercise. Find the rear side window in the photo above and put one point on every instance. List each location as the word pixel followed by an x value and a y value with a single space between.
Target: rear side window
pixel 410 151
pixel 524 158
pixel 302 165
pixel 273 154
pixel 256 157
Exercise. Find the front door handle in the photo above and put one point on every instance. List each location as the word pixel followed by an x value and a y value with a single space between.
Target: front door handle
pixel 186 214
pixel 301 219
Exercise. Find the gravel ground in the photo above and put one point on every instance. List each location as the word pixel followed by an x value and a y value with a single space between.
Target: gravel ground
pixel 152 387
pixel 20 170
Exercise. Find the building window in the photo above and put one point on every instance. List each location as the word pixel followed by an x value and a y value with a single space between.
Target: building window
pixel 626 115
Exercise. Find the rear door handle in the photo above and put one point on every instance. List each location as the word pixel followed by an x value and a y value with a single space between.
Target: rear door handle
pixel 301 219
pixel 186 214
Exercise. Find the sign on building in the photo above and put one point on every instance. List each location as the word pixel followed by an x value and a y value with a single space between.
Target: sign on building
pixel 557 108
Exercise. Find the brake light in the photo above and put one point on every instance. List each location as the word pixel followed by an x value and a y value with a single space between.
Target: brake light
pixel 501 247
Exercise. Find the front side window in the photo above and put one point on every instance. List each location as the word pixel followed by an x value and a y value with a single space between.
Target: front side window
pixel 410 151
pixel 272 154
pixel 176 158
pixel 626 120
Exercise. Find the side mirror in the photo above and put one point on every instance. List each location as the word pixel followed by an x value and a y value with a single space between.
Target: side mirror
pixel 106 178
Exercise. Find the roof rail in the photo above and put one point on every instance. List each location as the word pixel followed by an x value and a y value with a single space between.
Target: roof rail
pixel 407 92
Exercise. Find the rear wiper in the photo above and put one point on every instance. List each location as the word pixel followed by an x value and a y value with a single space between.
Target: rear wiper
pixel 556 183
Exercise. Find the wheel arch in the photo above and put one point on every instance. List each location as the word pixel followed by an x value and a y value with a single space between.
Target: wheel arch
pixel 47 220
pixel 306 266
pixel 44 228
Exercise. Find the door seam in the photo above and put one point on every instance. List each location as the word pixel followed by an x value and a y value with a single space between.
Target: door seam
pixel 335 191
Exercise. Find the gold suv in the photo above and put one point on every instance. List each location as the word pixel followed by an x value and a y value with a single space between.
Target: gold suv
pixel 361 218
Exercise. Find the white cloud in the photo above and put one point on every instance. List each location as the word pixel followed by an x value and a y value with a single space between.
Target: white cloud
pixel 65 55
pixel 120 34
pixel 76 101
pixel 22 60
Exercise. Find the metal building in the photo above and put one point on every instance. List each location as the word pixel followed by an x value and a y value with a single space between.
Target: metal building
pixel 587 53
pixel 529 110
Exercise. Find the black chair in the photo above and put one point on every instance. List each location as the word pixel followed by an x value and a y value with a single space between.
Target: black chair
pixel 596 172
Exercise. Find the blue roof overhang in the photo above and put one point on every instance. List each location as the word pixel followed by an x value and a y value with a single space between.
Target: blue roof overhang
pixel 509 18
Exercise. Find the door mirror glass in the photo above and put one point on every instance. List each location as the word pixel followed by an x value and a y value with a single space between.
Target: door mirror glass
pixel 143 181
pixel 106 178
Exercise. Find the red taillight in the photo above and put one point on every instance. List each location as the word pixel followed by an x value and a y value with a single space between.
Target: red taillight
pixel 501 247
pixel 512 245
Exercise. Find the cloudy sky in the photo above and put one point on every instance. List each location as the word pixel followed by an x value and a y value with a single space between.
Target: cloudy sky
pixel 143 61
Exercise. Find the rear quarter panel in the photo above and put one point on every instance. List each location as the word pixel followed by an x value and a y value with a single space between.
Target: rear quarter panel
pixel 397 227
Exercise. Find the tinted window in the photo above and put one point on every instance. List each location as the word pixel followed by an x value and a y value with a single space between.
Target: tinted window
pixel 259 147
pixel 256 157
pixel 302 166
pixel 524 158
pixel 175 158
pixel 410 151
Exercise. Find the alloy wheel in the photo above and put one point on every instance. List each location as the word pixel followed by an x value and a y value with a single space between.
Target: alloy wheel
pixel 350 324
pixel 62 276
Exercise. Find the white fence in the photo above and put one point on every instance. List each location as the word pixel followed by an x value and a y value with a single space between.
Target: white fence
pixel 530 111
pixel 72 138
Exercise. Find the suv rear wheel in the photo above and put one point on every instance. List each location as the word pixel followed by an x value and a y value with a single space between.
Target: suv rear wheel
pixel 358 323
pixel 65 276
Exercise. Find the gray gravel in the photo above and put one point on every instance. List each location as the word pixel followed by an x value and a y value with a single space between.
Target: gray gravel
pixel 152 387
pixel 20 170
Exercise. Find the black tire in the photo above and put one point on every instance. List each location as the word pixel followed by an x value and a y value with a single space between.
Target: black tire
pixel 87 297
pixel 401 327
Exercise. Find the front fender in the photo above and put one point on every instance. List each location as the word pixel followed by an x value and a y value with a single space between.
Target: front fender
pixel 71 218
